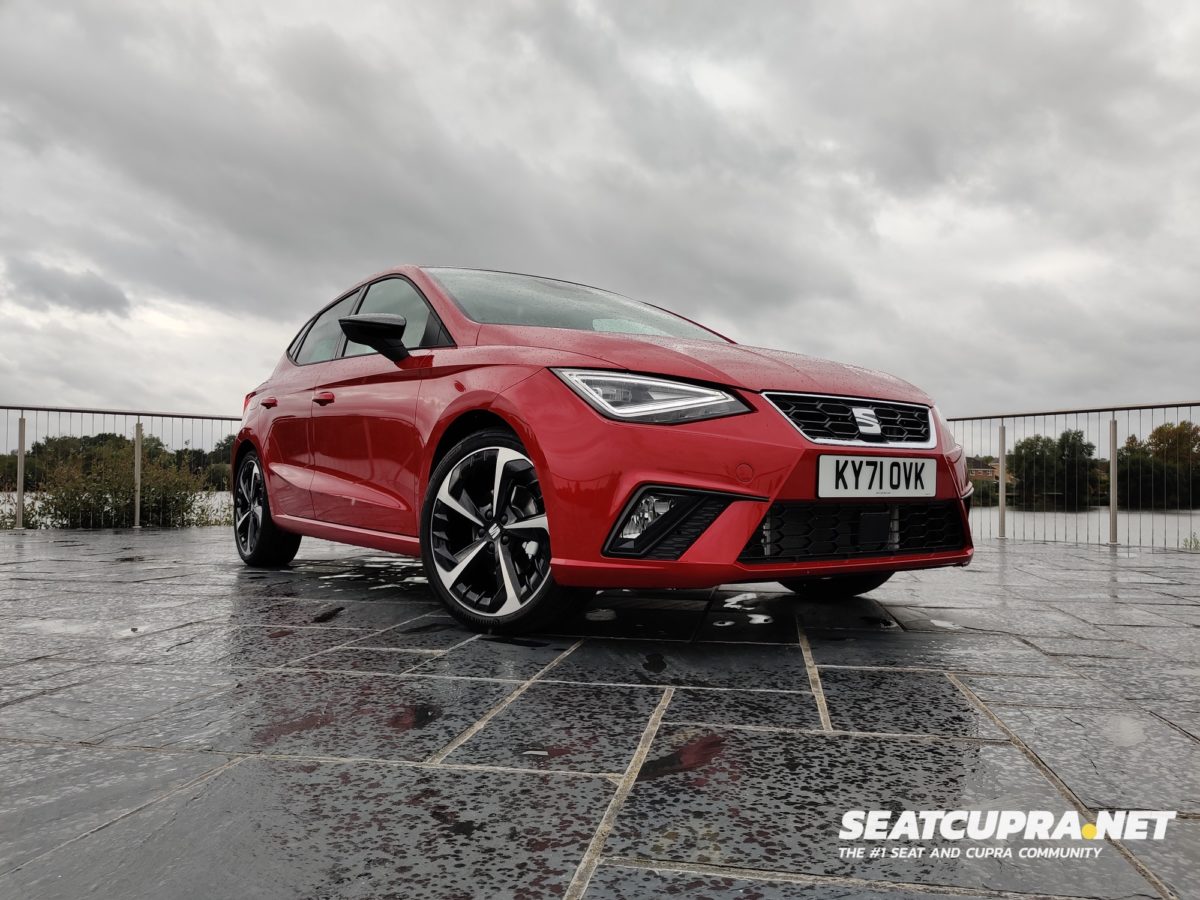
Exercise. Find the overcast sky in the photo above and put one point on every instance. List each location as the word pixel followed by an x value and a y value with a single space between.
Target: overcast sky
pixel 999 202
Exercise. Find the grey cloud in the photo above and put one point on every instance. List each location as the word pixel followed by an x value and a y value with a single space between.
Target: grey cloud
pixel 37 286
pixel 878 190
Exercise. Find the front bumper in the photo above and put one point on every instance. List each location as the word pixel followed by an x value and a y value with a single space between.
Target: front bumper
pixel 590 467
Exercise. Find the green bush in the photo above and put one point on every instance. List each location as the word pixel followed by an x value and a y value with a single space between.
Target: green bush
pixel 986 493
pixel 218 477
pixel 95 489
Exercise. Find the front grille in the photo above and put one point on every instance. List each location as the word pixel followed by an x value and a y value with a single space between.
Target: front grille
pixel 802 531
pixel 832 420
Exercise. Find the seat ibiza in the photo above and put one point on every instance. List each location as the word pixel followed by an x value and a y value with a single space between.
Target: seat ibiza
pixel 534 439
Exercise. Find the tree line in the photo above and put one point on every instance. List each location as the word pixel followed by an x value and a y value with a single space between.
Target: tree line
pixel 87 481
pixel 1160 472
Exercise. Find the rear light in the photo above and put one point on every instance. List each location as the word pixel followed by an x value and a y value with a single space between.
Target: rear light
pixel 246 402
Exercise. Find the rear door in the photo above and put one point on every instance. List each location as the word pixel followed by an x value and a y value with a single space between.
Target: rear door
pixel 365 444
pixel 287 456
pixel 288 403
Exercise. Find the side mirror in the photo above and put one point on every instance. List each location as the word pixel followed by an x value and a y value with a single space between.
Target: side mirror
pixel 382 332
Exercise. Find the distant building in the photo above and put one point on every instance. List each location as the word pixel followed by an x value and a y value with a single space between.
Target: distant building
pixel 980 467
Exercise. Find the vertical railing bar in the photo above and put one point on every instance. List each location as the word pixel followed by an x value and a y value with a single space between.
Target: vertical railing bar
pixel 1032 477
pixel 1087 421
pixel 1054 492
pixel 137 473
pixel 1113 485
pixel 20 515
pixel 1003 482
pixel 1141 496
pixel 1179 435
pixel 1153 486
pixel 1193 452
pixel 1087 483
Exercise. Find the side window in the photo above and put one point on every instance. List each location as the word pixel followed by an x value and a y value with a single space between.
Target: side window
pixel 321 342
pixel 295 344
pixel 398 297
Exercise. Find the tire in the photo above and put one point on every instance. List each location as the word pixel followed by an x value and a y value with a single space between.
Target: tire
pixel 260 542
pixel 489 563
pixel 836 587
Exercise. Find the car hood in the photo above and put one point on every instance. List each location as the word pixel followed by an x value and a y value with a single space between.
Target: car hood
pixel 736 365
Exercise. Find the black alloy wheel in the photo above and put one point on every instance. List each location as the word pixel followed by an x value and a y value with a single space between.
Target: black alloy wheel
pixel 260 542
pixel 485 537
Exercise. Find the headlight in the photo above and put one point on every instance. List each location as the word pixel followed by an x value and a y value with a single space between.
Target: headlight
pixel 639 398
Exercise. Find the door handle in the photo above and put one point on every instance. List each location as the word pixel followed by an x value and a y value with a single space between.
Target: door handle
pixel 323 398
pixel 269 402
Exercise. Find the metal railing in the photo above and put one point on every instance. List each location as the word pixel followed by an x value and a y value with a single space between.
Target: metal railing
pixel 104 468
pixel 1109 475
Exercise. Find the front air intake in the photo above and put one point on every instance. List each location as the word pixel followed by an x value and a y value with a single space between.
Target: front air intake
pixel 804 531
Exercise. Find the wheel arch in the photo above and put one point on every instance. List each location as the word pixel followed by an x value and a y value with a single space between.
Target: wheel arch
pixel 461 427
pixel 464 423
pixel 243 445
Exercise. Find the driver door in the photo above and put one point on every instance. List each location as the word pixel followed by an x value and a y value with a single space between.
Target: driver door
pixel 366 449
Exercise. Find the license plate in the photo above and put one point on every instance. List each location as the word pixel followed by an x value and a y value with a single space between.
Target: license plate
pixel 876 476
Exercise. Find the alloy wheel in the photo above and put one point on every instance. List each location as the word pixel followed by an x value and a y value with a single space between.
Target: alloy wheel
pixel 248 500
pixel 489 536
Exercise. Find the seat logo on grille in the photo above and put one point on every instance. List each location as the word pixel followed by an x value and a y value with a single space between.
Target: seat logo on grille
pixel 866 420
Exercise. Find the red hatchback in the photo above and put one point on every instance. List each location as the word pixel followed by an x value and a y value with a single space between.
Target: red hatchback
pixel 527 437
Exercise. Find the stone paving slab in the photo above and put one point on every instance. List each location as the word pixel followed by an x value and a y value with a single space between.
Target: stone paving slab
pixel 1113 758
pixel 722 797
pixel 890 702
pixel 580 727
pixel 796 710
pixel 279 829
pixel 173 724
pixel 321 714
pixel 612 882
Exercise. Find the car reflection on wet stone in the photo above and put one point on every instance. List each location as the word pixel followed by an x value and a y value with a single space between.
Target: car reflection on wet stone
pixel 325 730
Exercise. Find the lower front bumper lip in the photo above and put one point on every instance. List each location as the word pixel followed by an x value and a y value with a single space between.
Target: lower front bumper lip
pixel 699 574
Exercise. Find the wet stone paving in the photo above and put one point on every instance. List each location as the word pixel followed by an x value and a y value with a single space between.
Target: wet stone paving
pixel 174 725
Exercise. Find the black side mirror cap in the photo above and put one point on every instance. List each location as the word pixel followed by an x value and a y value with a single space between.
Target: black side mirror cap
pixel 382 332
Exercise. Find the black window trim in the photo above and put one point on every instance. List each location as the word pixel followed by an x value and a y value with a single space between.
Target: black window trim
pixel 298 341
pixel 434 320
pixel 361 291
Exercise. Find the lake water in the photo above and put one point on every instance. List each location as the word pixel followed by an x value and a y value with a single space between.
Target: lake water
pixel 1162 528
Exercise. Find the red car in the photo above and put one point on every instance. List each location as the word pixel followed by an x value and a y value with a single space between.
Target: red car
pixel 531 439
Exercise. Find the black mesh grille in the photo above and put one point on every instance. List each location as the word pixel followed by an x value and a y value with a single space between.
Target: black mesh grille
pixel 795 532
pixel 832 419
pixel 674 544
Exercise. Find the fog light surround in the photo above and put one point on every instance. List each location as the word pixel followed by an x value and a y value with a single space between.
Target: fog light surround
pixel 661 522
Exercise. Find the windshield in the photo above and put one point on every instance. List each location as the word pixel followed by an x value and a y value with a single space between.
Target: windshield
pixel 502 298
